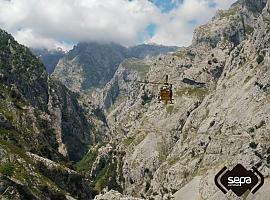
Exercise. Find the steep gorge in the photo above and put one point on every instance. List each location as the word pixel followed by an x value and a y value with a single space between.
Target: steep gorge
pixel 174 151
pixel 120 136
pixel 43 128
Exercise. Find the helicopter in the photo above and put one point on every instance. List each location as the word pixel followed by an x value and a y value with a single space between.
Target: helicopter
pixel 165 92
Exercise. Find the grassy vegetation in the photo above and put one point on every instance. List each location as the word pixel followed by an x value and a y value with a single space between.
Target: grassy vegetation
pixel 24 170
pixel 87 162
pixel 120 99
pixel 23 59
pixel 27 72
pixel 136 65
pixel 11 136
pixel 110 172
pixel 108 176
pixel 7 169
pixel 12 107
pixel 228 13
pixel 140 137
pixel 192 91
pixel 248 79
pixel 170 109
pixel 163 149
pixel 245 195
pixel 101 180
pixel 128 141
pixel 179 54
pixel 172 161
pixel 249 30
pixel 186 54
pixel 12 103
pixel 4 40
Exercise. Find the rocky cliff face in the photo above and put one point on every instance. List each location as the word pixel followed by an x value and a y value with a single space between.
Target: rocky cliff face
pixel 49 58
pixel 91 65
pixel 43 127
pixel 146 149
pixel 220 115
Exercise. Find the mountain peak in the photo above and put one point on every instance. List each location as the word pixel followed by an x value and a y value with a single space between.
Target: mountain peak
pixel 94 64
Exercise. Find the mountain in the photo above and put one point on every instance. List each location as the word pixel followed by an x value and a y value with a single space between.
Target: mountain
pixel 92 65
pixel 148 50
pixel 43 129
pixel 174 151
pixel 49 58
pixel 119 141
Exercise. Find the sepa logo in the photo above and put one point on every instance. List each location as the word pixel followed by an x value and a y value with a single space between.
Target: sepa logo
pixel 239 180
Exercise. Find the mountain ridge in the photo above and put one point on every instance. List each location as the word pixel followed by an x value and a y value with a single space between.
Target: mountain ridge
pixel 43 129
pixel 175 150
pixel 90 65
pixel 49 58
pixel 120 136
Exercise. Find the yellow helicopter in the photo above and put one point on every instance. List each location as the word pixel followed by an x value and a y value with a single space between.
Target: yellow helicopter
pixel 165 92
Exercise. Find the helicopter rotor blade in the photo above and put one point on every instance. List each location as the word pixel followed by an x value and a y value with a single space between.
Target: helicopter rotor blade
pixel 145 82
pixel 148 82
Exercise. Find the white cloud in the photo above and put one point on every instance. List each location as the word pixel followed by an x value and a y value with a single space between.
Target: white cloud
pixel 76 20
pixel 28 38
pixel 49 23
pixel 177 26
pixel 224 4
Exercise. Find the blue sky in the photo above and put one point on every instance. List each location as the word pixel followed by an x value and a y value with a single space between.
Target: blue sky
pixel 63 23
pixel 167 5
pixel 151 29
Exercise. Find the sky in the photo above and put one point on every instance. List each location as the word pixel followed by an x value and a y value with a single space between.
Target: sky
pixel 62 23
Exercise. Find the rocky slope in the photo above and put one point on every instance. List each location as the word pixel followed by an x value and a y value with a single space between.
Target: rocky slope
pixel 137 146
pixel 91 65
pixel 49 58
pixel 43 129
pixel 220 115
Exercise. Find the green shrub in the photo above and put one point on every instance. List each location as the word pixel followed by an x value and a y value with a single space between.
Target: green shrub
pixel 249 30
pixel 136 65
pixel 251 130
pixel 260 59
pixel 169 109
pixel 215 60
pixel 147 186
pixel 128 141
pixel 146 98
pixel 247 79
pixel 7 169
pixel 253 145
pixel 107 177
pixel 87 162
pixel 190 91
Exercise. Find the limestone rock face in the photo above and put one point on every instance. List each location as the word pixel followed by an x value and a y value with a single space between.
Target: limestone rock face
pixel 232 25
pixel 114 195
pixel 143 148
pixel 28 176
pixel 91 65
pixel 220 114
pixel 49 58
pixel 73 131
pixel 42 124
